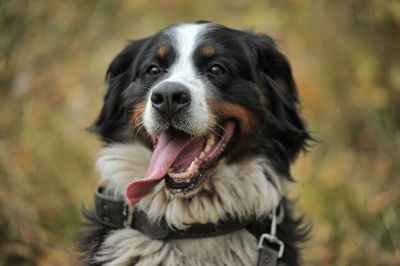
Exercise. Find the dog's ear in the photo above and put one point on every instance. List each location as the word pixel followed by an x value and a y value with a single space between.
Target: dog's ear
pixel 274 74
pixel 271 62
pixel 112 122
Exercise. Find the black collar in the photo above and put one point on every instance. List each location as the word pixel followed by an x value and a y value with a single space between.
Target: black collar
pixel 116 214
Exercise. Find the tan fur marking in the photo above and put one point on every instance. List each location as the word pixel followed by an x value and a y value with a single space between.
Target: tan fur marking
pixel 138 110
pixel 247 120
pixel 162 51
pixel 136 123
pixel 263 99
pixel 223 110
pixel 283 85
pixel 207 50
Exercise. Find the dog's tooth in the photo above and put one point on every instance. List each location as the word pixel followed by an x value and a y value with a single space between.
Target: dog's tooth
pixel 211 139
pixel 191 168
pixel 202 155
pixel 210 142
pixel 208 148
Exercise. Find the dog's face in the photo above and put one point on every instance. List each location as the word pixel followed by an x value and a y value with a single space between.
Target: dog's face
pixel 199 96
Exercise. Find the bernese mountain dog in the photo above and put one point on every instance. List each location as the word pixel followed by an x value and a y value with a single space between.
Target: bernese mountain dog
pixel 201 123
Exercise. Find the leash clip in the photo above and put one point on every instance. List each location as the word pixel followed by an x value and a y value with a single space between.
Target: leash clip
pixel 271 237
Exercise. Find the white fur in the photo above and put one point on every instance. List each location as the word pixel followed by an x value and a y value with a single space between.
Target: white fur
pixel 120 164
pixel 243 189
pixel 123 246
pixel 186 37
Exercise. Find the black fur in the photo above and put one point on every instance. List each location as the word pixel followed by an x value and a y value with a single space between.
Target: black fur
pixel 112 122
pixel 251 61
pixel 92 237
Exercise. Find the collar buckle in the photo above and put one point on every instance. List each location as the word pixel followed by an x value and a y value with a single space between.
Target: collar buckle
pixel 271 237
pixel 127 214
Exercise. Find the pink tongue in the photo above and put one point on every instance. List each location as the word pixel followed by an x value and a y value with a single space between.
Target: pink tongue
pixel 170 145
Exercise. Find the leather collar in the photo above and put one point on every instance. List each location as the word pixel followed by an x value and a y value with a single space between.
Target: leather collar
pixel 116 214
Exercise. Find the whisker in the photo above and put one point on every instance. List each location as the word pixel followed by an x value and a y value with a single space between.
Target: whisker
pixel 142 86
pixel 218 125
pixel 221 127
pixel 216 132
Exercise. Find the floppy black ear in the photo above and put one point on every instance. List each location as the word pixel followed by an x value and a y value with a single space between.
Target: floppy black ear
pixel 112 122
pixel 275 64
pixel 287 128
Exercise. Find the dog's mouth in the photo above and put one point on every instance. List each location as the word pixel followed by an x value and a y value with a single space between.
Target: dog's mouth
pixel 189 169
pixel 183 160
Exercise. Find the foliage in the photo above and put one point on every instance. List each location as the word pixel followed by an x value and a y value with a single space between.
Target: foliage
pixel 346 60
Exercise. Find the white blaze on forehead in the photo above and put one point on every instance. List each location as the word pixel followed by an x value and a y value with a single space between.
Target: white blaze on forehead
pixel 185 39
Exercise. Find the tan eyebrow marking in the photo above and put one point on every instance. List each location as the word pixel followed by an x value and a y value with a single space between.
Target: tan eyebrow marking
pixel 162 50
pixel 207 50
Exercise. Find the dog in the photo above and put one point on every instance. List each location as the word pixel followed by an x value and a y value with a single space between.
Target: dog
pixel 201 123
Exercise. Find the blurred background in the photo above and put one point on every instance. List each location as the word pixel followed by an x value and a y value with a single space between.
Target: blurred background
pixel 346 60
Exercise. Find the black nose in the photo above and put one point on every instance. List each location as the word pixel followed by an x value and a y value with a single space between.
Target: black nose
pixel 170 98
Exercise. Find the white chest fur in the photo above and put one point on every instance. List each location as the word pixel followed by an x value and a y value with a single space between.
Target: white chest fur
pixel 250 187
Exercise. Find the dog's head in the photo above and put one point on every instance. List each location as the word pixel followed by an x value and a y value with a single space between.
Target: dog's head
pixel 202 97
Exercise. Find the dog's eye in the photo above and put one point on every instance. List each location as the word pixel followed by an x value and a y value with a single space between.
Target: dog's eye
pixel 217 70
pixel 153 70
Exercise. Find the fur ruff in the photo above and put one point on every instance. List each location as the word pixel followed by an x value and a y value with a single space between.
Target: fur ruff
pixel 125 246
pixel 239 190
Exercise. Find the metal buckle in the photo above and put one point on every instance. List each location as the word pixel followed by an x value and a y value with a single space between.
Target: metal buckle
pixel 271 237
pixel 274 240
pixel 128 215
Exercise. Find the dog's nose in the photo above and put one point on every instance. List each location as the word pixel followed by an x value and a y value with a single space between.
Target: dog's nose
pixel 170 98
